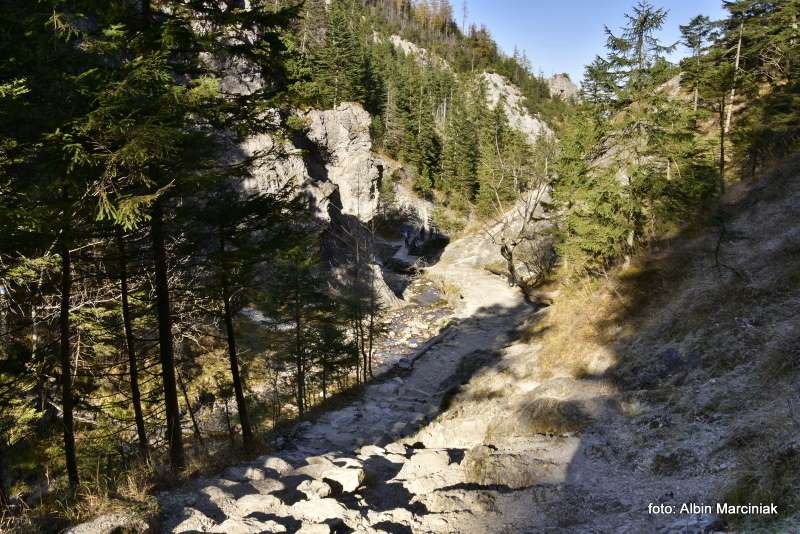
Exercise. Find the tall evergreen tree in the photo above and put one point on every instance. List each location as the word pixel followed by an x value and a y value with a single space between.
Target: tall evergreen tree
pixel 342 64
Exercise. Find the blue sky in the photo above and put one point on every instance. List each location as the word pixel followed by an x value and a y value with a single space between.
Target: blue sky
pixel 565 35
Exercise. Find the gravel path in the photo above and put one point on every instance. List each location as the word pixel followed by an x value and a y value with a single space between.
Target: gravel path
pixel 361 468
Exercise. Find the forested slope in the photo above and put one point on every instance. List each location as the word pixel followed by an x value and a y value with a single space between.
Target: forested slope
pixel 219 218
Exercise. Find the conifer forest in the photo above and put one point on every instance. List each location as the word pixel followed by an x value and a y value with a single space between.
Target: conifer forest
pixel 350 266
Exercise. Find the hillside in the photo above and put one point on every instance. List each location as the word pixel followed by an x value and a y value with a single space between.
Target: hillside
pixel 347 266
pixel 518 419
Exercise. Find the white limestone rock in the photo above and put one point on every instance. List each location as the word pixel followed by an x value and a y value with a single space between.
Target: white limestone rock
pixel 314 489
pixel 256 502
pixel 561 86
pixel 109 523
pixel 279 465
pixel 318 510
pixel 497 87
pixel 316 528
pixel 348 478
pixel 244 473
pixel 344 132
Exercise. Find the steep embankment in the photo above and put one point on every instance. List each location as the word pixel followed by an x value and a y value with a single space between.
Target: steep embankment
pixel 674 381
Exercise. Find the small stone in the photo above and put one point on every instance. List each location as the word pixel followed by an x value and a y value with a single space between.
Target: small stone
pixel 256 502
pixel 195 521
pixel 396 448
pixel 314 489
pixel 396 458
pixel 405 363
pixel 244 473
pixel 317 528
pixel 267 486
pixel 279 465
pixel 318 510
pixel 371 450
pixel 349 479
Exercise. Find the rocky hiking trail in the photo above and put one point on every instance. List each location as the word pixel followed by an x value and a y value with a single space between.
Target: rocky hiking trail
pixel 416 453
pixel 361 468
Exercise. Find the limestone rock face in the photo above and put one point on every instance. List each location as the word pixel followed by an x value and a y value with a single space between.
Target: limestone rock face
pixel 278 163
pixel 344 133
pixel 497 87
pixel 562 87
pixel 412 206
pixel 423 56
pixel 342 137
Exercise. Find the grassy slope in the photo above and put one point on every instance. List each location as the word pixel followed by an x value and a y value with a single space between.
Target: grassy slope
pixel 713 349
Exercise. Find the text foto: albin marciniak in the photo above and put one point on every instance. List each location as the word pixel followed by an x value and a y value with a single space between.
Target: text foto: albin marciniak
pixel 721 508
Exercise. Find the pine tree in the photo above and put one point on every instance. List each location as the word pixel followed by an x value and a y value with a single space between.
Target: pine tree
pixel 649 171
pixel 342 66
pixel 459 154
pixel 695 36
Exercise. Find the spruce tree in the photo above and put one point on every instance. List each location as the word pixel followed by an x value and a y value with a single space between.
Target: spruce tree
pixel 342 64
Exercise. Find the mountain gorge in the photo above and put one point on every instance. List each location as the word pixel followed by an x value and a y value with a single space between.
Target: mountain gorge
pixel 346 266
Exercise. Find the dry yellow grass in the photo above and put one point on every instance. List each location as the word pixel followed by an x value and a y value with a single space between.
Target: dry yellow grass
pixel 539 416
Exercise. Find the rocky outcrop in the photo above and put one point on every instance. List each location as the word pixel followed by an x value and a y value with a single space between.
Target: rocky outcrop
pixel 561 86
pixel 497 88
pixel 418 210
pixel 343 132
pixel 335 156
pixel 423 56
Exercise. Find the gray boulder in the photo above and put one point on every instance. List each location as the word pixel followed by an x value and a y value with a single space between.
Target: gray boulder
pixel 111 523
pixel 347 478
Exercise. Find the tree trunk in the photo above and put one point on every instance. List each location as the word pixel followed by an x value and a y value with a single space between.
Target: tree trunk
pixel 228 423
pixel 735 71
pixel 324 377
pixel 166 349
pixel 133 371
pixel 722 131
pixel 276 401
pixel 4 500
pixel 65 351
pixel 241 404
pixel 508 255
pixel 299 356
pixel 721 184
pixel 371 328
pixel 195 426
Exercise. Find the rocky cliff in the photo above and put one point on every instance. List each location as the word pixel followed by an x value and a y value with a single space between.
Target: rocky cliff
pixel 561 86
pixel 351 166
pixel 497 88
